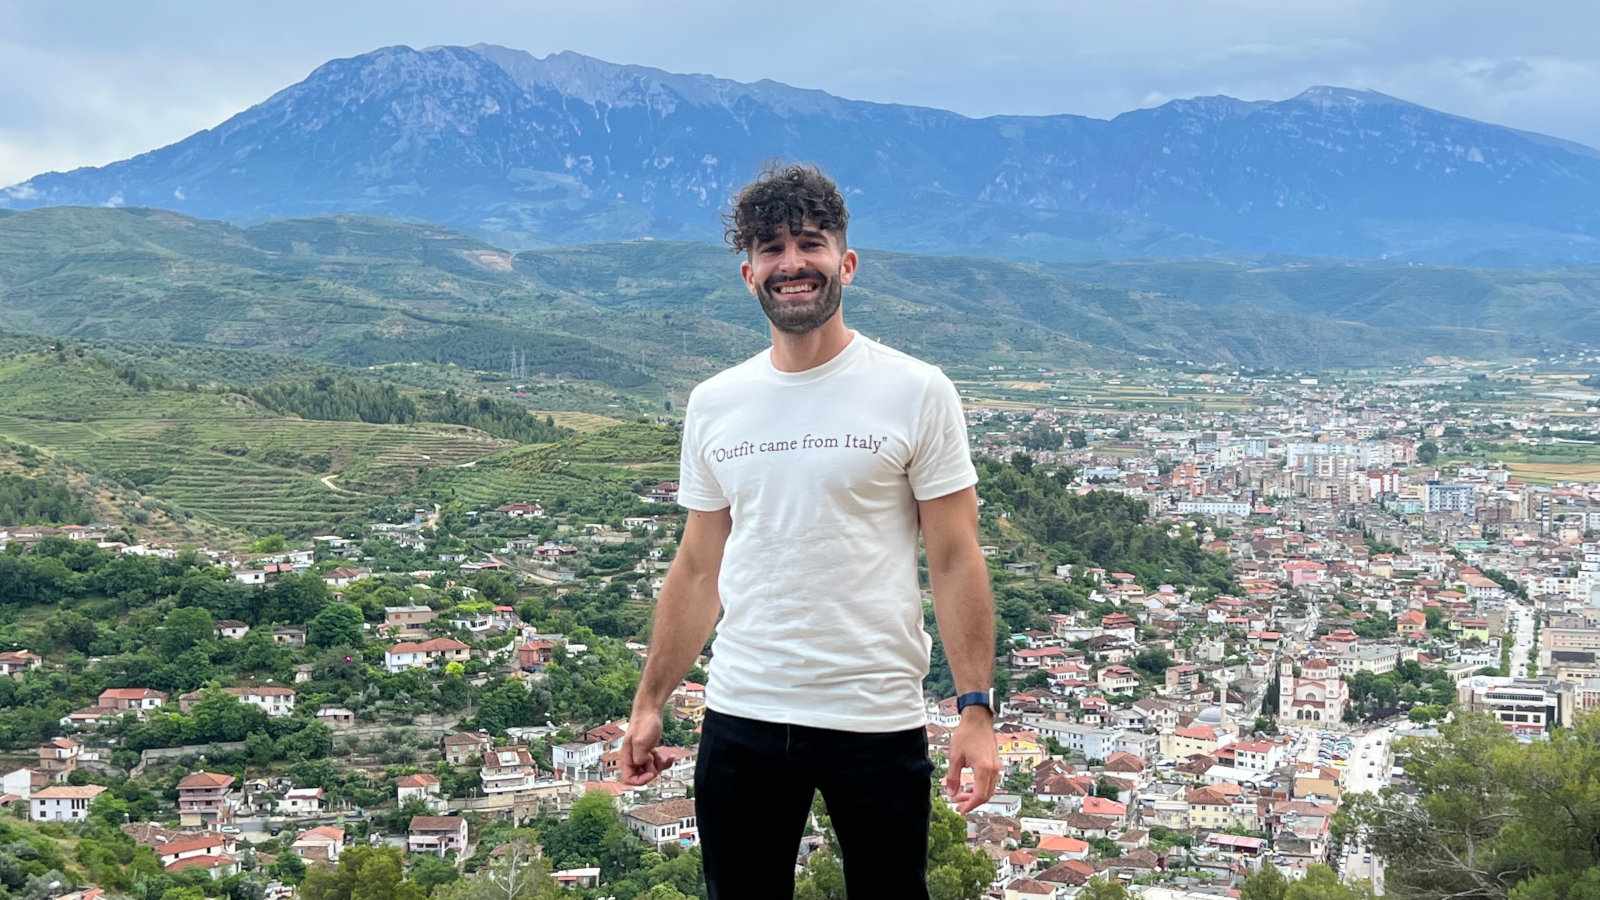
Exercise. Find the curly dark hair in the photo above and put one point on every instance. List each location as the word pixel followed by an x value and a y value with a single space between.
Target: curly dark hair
pixel 784 196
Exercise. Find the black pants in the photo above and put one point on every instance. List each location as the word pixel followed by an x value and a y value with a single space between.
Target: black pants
pixel 753 784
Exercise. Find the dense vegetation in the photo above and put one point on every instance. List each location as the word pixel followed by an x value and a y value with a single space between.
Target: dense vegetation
pixel 1409 686
pixel 1100 528
pixel 32 501
pixel 1486 817
pixel 381 403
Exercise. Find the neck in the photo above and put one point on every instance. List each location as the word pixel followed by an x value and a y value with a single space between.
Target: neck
pixel 799 352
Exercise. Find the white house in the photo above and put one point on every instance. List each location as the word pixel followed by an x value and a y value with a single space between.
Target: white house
pixel 302 802
pixel 671 821
pixel 63 802
pixel 425 654
pixel 421 787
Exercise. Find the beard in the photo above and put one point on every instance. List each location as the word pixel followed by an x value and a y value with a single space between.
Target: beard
pixel 800 316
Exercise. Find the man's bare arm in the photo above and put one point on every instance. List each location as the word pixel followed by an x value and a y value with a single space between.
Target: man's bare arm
pixel 687 609
pixel 962 600
pixel 964 606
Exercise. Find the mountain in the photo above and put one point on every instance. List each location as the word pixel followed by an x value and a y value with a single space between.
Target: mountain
pixel 650 318
pixel 526 152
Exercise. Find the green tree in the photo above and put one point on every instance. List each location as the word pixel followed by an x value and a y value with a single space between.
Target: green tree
pixel 1322 883
pixel 337 625
pixel 430 872
pixel 1491 818
pixel 1103 889
pixel 1266 884
pixel 185 627
pixel 363 873
pixel 1427 453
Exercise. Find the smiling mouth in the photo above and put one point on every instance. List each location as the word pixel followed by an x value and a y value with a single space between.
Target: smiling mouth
pixel 793 288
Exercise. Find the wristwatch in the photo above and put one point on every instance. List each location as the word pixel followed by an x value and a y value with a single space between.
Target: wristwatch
pixel 984 699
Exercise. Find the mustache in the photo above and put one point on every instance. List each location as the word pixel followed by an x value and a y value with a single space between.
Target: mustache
pixel 808 275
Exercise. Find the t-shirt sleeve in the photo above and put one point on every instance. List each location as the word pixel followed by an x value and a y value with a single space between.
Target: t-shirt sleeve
pixel 697 485
pixel 940 461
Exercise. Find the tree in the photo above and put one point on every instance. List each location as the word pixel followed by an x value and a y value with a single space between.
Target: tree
pixel 955 870
pixel 363 873
pixel 1103 889
pixel 1077 440
pixel 184 628
pixel 337 625
pixel 430 872
pixel 1266 884
pixel 1427 452
pixel 1491 818
pixel 1322 883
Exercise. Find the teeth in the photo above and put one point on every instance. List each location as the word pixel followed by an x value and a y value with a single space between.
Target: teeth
pixel 794 289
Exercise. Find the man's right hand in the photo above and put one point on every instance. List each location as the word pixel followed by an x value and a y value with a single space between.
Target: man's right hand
pixel 641 761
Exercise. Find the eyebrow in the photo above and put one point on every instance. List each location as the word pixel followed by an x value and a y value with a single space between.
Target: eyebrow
pixel 806 233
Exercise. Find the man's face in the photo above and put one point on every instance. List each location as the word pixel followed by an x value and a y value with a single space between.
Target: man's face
pixel 799 278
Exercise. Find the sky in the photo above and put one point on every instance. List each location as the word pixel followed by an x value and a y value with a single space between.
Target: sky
pixel 93 81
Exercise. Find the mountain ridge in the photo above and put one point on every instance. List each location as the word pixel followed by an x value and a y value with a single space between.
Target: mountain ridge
pixel 650 318
pixel 525 152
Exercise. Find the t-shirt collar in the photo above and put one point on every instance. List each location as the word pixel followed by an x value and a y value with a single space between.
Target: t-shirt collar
pixel 817 373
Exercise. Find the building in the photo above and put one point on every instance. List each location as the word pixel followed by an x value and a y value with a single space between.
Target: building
pixel 671 821
pixel 1317 694
pixel 463 747
pixel 15 662
pixel 232 629
pixel 508 769
pixel 1183 679
pixel 321 844
pixel 437 835
pixel 138 700
pixel 535 655
pixel 59 758
pixel 421 788
pixel 577 760
pixel 425 655
pixel 403 619
pixel 1523 705
pixel 63 802
pixel 203 800
pixel 302 801
pixel 1444 498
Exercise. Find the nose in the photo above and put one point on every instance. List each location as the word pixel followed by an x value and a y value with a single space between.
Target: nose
pixel 791 259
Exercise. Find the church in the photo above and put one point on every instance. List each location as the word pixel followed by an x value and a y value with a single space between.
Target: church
pixel 1317 694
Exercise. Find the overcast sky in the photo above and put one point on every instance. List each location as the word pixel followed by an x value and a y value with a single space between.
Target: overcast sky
pixel 88 82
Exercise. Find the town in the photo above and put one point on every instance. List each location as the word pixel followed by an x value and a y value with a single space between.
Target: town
pixel 1219 617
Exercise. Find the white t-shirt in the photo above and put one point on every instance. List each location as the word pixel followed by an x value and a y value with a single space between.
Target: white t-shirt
pixel 822 620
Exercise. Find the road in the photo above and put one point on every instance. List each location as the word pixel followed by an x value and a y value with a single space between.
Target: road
pixel 1367 771
pixel 1522 628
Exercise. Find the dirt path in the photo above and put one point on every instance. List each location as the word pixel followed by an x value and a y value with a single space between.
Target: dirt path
pixel 327 482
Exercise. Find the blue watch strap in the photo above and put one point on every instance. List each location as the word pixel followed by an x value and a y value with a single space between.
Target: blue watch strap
pixel 975 698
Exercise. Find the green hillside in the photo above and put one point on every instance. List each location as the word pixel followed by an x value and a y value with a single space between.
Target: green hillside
pixel 650 318
pixel 219 456
pixel 603 464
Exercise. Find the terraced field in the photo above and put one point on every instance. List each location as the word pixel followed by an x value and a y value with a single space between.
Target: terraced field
pixel 221 457
pixel 582 468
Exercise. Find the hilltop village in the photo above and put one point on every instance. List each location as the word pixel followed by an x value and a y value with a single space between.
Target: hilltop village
pixel 1215 624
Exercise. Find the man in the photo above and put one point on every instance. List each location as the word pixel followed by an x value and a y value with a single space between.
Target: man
pixel 807 470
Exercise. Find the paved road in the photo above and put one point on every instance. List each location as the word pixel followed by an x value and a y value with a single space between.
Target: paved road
pixel 1367 771
pixel 1522 628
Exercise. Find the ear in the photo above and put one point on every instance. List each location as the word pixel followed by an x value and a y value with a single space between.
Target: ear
pixel 847 267
pixel 748 274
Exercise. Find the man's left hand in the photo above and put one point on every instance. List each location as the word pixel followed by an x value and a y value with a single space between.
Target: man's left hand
pixel 973 747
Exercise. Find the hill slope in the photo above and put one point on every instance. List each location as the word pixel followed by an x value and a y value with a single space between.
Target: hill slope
pixel 650 318
pixel 532 152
